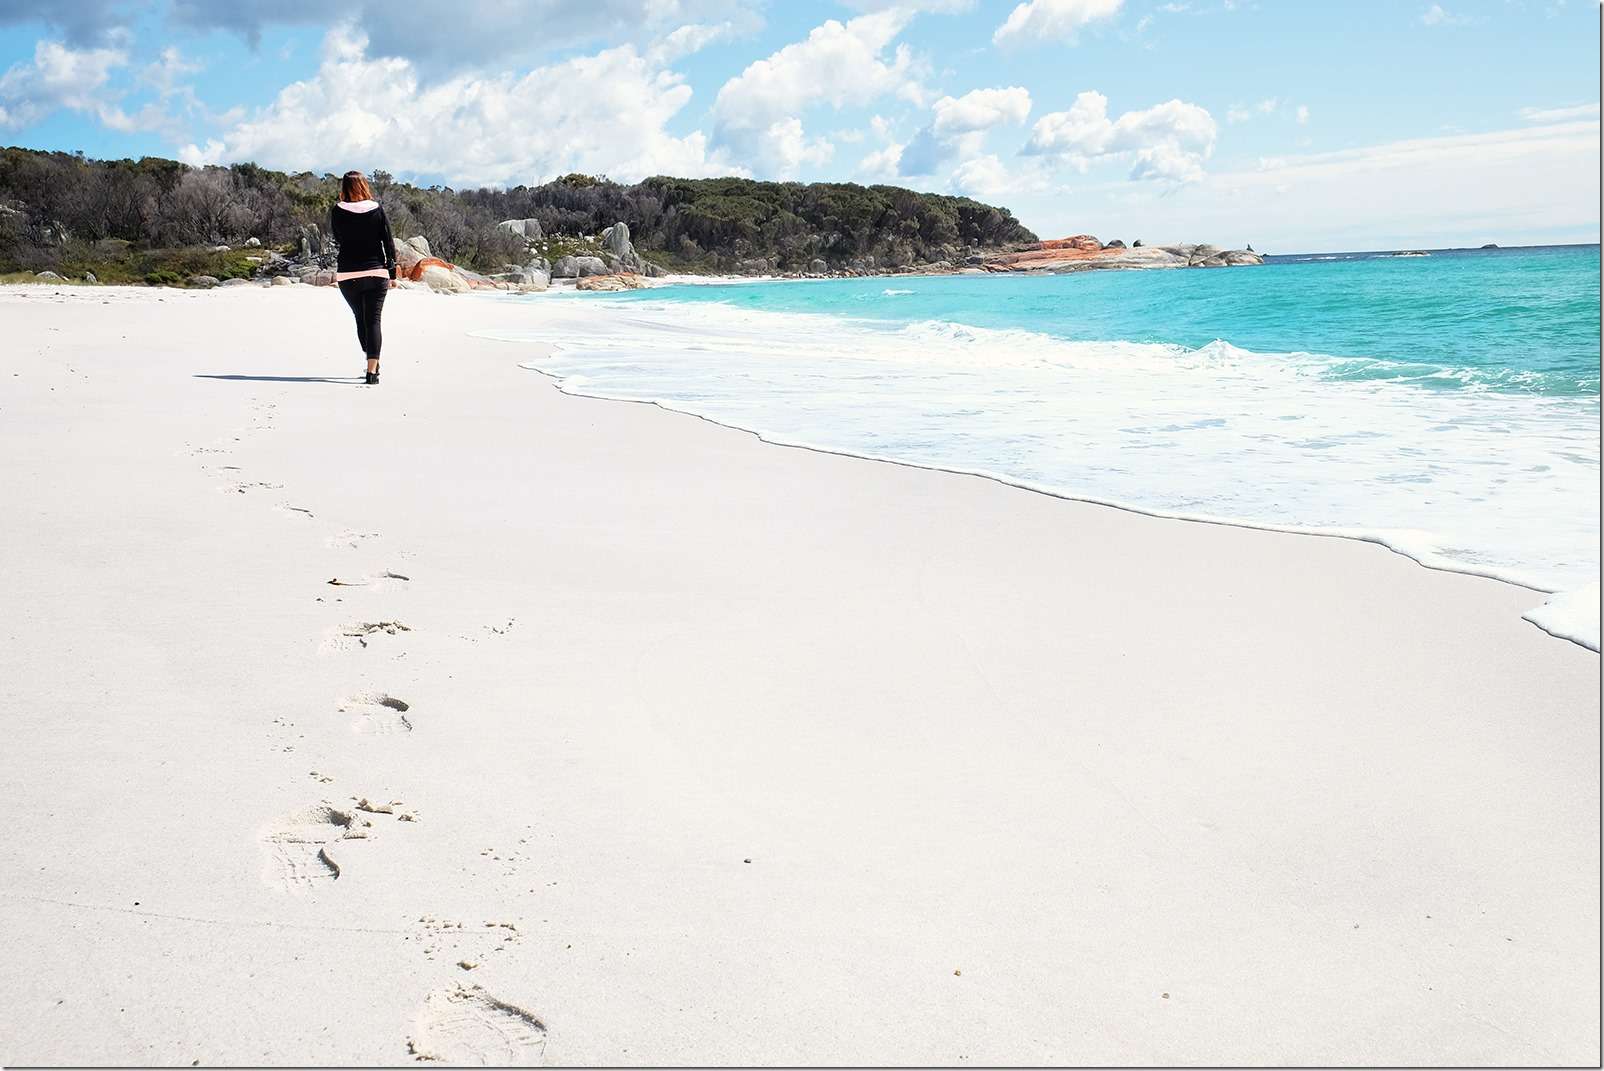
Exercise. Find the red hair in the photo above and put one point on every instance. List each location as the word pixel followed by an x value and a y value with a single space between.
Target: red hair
pixel 354 187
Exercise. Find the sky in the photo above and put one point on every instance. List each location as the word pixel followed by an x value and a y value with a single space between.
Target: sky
pixel 1293 125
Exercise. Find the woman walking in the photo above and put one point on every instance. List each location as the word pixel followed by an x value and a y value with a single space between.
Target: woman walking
pixel 366 266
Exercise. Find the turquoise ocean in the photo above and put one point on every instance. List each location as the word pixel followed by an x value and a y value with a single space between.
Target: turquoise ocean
pixel 1445 405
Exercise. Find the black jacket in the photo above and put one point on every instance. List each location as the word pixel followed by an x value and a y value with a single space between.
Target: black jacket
pixel 364 239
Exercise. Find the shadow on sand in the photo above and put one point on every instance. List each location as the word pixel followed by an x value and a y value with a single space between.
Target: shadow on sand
pixel 346 380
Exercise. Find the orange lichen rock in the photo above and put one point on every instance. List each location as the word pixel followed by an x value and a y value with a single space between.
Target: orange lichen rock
pixel 1042 256
pixel 1084 242
pixel 416 271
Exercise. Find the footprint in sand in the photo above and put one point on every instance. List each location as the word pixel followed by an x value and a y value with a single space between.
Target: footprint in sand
pixel 466 945
pixel 264 416
pixel 297 847
pixel 361 629
pixel 373 581
pixel 247 486
pixel 466 1025
pixel 377 714
pixel 357 634
pixel 350 539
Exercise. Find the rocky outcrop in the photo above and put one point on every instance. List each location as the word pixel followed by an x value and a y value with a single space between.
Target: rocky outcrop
pixel 527 229
pixel 311 241
pixel 1085 243
pixel 418 267
pixel 618 281
pixel 620 255
pixel 572 267
pixel 441 277
pixel 1209 257
pixel 529 279
pixel 1085 253
pixel 616 240
pixel 408 253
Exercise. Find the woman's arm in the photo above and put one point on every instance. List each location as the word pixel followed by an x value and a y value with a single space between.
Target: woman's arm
pixel 389 243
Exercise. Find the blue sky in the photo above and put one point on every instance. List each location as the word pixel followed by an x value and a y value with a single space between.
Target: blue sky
pixel 1291 124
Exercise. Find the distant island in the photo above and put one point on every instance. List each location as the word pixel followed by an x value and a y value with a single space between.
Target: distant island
pixel 161 222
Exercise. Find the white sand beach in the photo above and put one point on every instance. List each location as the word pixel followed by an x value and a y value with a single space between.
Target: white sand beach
pixel 720 752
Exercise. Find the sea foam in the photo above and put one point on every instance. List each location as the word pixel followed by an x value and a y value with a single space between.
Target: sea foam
pixel 1501 485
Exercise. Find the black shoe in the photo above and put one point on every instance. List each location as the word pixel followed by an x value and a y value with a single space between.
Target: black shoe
pixel 371 379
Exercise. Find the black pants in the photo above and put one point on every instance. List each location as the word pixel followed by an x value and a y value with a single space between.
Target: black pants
pixel 366 298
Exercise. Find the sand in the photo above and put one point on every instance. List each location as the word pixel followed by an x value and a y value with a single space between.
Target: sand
pixel 626 738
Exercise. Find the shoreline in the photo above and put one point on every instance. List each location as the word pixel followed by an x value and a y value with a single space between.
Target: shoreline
pixel 736 741
pixel 1355 534
pixel 1564 614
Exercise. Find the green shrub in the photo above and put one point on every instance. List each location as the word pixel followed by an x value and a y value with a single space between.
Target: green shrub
pixel 130 220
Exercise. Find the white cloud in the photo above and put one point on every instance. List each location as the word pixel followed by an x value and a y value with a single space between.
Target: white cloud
pixel 883 163
pixel 937 6
pixel 1036 20
pixel 163 74
pixel 1167 142
pixel 1560 115
pixel 981 109
pixel 1525 184
pixel 470 34
pixel 1436 16
pixel 1418 154
pixel 983 177
pixel 757 114
pixel 58 77
pixel 604 113
pixel 686 40
pixel 1243 114
pixel 959 125
pixel 988 178
pixel 1303 115
pixel 787 148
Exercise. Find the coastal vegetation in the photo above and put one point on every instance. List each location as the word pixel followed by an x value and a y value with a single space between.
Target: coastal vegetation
pixel 156 220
